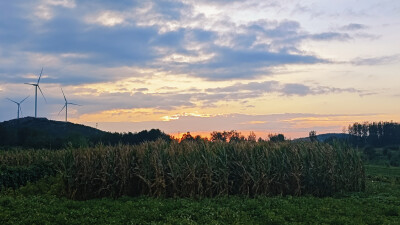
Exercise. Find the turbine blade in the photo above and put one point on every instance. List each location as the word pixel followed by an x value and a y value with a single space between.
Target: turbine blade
pixel 20 110
pixel 40 76
pixel 64 95
pixel 24 99
pixel 62 109
pixel 70 103
pixel 30 84
pixel 42 94
pixel 12 101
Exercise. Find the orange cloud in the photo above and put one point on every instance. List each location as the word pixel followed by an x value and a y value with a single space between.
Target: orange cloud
pixel 120 115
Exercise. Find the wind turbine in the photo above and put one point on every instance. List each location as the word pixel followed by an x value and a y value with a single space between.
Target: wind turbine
pixel 19 105
pixel 36 87
pixel 66 106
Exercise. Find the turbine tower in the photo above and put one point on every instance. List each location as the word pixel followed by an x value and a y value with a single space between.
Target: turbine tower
pixel 19 105
pixel 36 87
pixel 66 106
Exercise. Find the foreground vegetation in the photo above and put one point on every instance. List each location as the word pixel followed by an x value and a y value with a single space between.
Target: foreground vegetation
pixel 37 203
pixel 227 180
pixel 192 169
pixel 227 183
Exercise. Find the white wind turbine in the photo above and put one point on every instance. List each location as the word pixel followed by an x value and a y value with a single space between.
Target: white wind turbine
pixel 19 105
pixel 66 106
pixel 36 87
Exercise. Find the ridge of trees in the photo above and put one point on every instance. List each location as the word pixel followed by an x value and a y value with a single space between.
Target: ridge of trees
pixel 377 134
pixel 232 136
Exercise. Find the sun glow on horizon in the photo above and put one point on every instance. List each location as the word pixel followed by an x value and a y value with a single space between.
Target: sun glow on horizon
pixel 203 66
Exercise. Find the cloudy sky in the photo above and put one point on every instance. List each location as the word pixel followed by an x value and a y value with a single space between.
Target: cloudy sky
pixel 285 66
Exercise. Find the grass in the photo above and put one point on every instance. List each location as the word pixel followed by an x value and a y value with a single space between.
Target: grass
pixel 375 170
pixel 232 210
pixel 379 204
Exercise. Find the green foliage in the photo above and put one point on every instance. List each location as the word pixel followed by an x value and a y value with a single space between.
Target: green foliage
pixel 192 169
pixel 208 169
pixel 389 155
pixel 380 171
pixel 37 204
pixel 357 208
pixel 15 177
pixel 18 157
pixel 395 159
pixel 370 152
pixel 49 185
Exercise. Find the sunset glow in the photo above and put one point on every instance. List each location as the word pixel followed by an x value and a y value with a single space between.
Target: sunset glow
pixel 201 66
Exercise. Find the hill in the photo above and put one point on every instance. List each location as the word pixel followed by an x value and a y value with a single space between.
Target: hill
pixel 56 129
pixel 43 133
pixel 326 137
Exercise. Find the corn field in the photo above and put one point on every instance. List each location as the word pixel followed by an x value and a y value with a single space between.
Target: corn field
pixel 208 169
pixel 191 169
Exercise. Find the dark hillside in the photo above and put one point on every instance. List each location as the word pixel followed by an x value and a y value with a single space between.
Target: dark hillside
pixel 43 133
pixel 327 137
pixel 57 129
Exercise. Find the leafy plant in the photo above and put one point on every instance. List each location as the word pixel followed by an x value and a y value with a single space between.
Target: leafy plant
pixel 14 177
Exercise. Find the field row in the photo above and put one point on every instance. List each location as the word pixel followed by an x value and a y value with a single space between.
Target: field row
pixel 191 169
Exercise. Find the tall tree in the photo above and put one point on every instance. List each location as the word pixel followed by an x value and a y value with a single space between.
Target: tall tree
pixel 313 136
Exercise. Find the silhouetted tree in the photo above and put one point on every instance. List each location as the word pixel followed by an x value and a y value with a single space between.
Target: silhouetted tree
pixel 187 137
pixel 218 136
pixel 313 136
pixel 375 134
pixel 235 136
pixel 276 137
pixel 252 137
pixel 226 136
pixel 199 138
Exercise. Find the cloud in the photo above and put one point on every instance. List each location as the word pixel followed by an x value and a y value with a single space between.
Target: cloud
pixel 267 86
pixel 291 124
pixel 82 44
pixel 296 89
pixel 136 100
pixel 171 10
pixel 244 64
pixel 299 8
pixel 122 98
pixel 354 27
pixel 383 60
pixel 328 36
pixel 115 35
pixel 257 89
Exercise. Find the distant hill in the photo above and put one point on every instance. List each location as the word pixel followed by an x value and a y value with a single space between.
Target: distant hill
pixel 56 129
pixel 43 133
pixel 324 137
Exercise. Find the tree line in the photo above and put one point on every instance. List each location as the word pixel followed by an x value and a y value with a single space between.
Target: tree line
pixel 232 136
pixel 375 134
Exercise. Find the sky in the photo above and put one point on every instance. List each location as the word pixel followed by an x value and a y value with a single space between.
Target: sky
pixel 285 66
